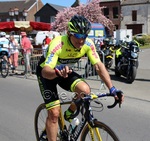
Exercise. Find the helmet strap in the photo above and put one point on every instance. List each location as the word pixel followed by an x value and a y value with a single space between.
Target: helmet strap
pixel 69 36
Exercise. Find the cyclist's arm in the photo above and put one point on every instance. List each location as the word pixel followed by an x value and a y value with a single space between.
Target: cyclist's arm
pixel 50 62
pixel 100 67
pixel 103 73
pixel 48 73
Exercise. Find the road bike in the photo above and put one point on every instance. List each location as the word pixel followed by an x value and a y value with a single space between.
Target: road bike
pixel 4 65
pixel 89 128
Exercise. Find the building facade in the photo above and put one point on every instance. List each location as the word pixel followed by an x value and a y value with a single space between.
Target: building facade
pixel 31 7
pixel 51 11
pixel 112 10
pixel 136 16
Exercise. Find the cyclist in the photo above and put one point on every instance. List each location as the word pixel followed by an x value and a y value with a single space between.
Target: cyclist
pixel 62 52
pixel 4 45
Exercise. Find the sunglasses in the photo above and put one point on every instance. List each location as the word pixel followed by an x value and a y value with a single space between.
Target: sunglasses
pixel 79 36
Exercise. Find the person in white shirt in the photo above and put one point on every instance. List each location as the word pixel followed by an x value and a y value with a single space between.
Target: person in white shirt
pixel 14 52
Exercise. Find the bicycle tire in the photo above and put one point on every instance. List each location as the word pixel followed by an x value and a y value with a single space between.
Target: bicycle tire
pixel 39 120
pixel 4 68
pixel 39 124
pixel 107 134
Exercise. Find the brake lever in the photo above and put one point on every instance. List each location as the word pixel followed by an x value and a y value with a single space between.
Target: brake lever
pixel 97 101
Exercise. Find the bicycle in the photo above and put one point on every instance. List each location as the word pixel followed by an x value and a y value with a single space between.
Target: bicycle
pixel 4 65
pixel 94 130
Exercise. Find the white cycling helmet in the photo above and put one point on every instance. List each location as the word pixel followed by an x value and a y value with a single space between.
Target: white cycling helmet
pixel 2 34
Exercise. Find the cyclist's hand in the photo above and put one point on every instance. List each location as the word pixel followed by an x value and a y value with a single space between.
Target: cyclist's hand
pixel 62 70
pixel 118 94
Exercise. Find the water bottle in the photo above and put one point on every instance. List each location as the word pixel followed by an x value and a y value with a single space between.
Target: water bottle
pixel 74 123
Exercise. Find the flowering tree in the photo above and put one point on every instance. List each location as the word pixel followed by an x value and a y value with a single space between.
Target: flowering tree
pixel 92 11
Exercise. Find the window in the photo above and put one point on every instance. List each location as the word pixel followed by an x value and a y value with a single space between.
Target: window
pixel 37 19
pixel 116 27
pixel 8 19
pixel 115 12
pixel 52 19
pixel 134 15
pixel 106 12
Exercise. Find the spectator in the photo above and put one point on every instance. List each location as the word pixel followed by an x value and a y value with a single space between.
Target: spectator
pixel 13 45
pixel 26 48
pixel 45 44
pixel 47 40
pixel 99 41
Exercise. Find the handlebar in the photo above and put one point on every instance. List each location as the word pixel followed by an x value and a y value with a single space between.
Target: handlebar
pixel 116 101
pixel 94 96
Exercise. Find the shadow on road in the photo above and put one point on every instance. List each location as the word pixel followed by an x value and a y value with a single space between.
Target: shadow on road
pixel 142 79
pixel 119 79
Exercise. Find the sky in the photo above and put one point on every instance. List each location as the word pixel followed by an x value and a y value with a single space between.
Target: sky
pixel 66 3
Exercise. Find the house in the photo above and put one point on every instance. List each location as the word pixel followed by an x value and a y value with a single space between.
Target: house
pixel 76 3
pixel 28 6
pixel 136 16
pixel 112 11
pixel 51 11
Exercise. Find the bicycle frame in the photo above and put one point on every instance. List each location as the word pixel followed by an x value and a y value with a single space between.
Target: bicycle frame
pixel 87 117
pixel 75 134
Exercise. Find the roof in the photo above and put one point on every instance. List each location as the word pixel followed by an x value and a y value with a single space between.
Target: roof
pixel 6 5
pixel 130 2
pixel 57 7
pixel 76 3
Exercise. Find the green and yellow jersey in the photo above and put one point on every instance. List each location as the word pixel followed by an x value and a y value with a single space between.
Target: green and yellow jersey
pixel 61 51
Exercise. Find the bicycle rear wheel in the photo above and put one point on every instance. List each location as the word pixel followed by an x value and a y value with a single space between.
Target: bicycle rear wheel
pixel 101 132
pixel 4 68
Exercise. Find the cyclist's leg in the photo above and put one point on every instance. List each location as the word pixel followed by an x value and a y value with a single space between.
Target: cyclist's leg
pixel 49 94
pixel 75 83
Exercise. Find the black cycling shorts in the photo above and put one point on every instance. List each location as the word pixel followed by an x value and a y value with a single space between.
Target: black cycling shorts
pixel 48 87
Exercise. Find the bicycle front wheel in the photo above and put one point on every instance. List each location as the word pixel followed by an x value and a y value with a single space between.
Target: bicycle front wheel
pixel 100 132
pixel 4 68
pixel 39 123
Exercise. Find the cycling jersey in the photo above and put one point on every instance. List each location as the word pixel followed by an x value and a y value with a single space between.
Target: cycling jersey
pixel 61 51
pixel 4 42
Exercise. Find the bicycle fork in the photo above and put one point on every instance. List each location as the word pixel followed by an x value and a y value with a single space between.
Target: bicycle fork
pixel 95 133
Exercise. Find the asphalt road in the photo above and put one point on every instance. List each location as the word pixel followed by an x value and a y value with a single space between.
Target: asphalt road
pixel 19 98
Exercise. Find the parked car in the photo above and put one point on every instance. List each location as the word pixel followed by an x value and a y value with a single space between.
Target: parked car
pixel 140 35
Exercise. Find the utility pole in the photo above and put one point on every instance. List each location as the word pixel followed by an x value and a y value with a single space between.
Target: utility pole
pixel 37 5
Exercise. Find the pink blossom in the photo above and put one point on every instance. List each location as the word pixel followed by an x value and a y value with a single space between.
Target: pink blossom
pixel 92 11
